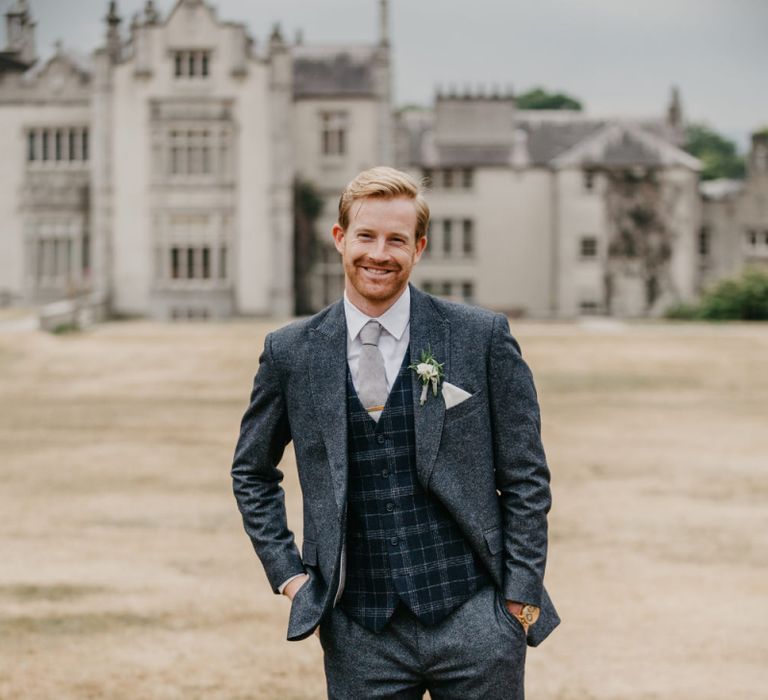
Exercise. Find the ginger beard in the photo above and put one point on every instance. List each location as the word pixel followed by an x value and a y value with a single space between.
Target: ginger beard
pixel 378 251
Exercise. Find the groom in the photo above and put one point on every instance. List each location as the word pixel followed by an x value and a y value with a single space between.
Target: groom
pixel 416 431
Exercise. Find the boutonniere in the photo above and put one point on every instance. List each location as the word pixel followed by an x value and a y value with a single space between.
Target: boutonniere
pixel 430 371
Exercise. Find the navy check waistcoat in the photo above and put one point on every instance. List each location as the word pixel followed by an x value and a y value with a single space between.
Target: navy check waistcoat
pixel 402 544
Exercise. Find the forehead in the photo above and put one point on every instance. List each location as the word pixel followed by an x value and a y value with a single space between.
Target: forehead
pixel 384 213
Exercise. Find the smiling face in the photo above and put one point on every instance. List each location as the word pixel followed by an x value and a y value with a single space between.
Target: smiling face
pixel 378 250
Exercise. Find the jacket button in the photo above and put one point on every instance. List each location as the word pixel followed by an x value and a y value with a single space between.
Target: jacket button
pixel 394 541
pixel 385 473
pixel 390 507
pixel 381 439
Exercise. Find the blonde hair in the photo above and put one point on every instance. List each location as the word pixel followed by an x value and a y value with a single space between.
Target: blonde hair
pixel 385 183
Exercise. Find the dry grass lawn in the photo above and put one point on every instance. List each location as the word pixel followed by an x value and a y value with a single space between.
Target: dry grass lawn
pixel 125 573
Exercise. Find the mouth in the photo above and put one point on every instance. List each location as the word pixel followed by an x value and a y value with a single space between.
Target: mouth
pixel 377 271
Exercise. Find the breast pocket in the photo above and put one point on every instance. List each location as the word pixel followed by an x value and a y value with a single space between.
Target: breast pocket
pixel 465 408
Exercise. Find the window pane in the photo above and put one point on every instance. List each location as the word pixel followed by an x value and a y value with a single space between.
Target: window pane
pixel 588 247
pixel 190 263
pixel 447 231
pixel 177 67
pixel 57 141
pixel 204 68
pixel 704 241
pixel 175 263
pixel 223 262
pixel 45 145
pixel 468 243
pixel 84 144
pixel 72 149
pixel 31 146
pixel 86 254
pixel 206 263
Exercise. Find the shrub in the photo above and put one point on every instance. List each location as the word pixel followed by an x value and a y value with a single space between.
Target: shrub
pixel 743 298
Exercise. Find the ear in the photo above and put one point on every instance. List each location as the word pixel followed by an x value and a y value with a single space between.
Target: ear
pixel 421 244
pixel 338 237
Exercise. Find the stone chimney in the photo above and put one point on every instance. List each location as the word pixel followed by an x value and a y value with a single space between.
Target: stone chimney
pixel 20 32
pixel 758 154
pixel 114 42
pixel 384 22
pixel 675 116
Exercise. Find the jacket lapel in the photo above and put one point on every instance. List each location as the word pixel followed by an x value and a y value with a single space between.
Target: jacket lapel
pixel 328 386
pixel 429 330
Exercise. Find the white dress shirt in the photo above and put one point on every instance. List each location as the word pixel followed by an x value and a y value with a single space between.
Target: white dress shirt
pixel 393 343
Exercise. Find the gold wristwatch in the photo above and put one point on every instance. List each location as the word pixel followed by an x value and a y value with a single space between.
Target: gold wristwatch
pixel 528 616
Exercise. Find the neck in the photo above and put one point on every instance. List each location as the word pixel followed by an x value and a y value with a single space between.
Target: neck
pixel 370 307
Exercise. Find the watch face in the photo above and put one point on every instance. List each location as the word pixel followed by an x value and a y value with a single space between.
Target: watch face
pixel 530 613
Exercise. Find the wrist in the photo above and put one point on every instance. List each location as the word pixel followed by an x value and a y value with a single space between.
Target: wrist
pixel 293 586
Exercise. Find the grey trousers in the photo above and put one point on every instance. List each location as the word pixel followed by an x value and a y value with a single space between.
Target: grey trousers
pixel 478 651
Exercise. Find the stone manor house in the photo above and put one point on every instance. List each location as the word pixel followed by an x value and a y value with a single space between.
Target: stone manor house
pixel 159 175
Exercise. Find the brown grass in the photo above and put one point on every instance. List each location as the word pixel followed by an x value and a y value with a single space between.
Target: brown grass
pixel 125 573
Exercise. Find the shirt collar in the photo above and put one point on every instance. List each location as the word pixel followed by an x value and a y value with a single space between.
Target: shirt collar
pixel 394 320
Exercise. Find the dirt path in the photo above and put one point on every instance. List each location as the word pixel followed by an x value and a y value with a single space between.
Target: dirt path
pixel 124 571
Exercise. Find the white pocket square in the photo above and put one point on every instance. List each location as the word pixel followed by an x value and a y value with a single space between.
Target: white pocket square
pixel 453 395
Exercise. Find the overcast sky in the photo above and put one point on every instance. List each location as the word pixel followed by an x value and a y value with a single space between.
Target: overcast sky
pixel 619 58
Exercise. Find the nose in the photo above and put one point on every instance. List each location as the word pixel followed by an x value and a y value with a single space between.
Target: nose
pixel 379 251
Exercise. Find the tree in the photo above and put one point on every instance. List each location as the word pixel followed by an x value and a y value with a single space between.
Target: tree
pixel 639 205
pixel 307 207
pixel 538 98
pixel 718 154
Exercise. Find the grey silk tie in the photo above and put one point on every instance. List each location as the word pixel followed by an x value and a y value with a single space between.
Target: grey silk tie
pixel 371 376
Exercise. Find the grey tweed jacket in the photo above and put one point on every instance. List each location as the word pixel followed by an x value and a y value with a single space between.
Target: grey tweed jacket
pixel 483 458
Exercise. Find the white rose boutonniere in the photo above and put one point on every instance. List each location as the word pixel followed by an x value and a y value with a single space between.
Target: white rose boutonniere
pixel 429 371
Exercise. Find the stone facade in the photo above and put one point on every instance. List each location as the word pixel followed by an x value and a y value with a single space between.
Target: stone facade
pixel 158 174
pixel 521 218
pixel 734 230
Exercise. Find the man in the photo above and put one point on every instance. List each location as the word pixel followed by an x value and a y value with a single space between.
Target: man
pixel 425 487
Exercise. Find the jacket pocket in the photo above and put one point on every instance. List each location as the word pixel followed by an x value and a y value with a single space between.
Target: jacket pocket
pixel 466 407
pixel 309 553
pixel 494 540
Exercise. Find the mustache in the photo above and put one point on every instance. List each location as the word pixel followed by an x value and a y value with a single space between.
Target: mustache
pixel 367 262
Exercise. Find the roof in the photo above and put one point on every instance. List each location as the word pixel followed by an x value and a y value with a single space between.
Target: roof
pixel 548 139
pixel 333 72
pixel 625 144
pixel 721 188
pixel 77 62
pixel 453 156
pixel 553 139
pixel 10 62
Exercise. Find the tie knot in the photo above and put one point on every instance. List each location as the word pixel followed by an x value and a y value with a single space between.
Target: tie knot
pixel 370 332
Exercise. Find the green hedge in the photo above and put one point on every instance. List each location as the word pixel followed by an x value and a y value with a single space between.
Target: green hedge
pixel 743 298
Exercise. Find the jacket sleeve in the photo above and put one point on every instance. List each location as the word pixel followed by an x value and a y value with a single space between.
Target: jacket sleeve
pixel 264 433
pixel 522 475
